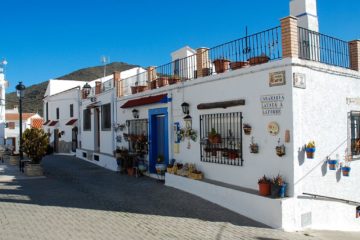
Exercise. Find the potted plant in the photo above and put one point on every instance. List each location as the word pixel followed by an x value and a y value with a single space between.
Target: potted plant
pixel 247 128
pixel 264 186
pixel 346 168
pixel 160 166
pixel 221 65
pixel 239 64
pixel 169 168
pixel 173 79
pixel 137 88
pixel 162 81
pixel 278 187
pixel 35 142
pixel 280 150
pixel 263 58
pixel 129 165
pixel 254 147
pixel 333 162
pixel 310 149
pixel 196 175
pixel 233 154
pixel 214 137
pixel 153 84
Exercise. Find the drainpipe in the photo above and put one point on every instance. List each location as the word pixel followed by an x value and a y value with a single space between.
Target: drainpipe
pixel 113 97
pixel 171 124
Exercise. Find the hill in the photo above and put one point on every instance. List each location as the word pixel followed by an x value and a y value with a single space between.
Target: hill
pixel 35 93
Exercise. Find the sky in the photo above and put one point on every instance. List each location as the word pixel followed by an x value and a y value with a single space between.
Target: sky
pixel 43 39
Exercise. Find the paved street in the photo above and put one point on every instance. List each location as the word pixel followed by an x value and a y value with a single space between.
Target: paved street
pixel 78 200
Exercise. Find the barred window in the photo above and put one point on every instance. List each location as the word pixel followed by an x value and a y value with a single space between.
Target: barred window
pixel 106 117
pixel 355 132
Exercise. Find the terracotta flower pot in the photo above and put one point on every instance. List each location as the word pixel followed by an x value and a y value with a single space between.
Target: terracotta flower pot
pixel 173 80
pixel 310 152
pixel 258 60
pixel 130 171
pixel 237 65
pixel 264 189
pixel 153 84
pixel 137 89
pixel 221 65
pixel 162 81
pixel 346 171
pixel 214 139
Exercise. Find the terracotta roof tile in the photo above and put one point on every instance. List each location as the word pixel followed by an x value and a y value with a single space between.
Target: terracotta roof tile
pixel 15 116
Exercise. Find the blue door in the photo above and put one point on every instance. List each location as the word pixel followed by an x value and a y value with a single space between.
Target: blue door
pixel 158 135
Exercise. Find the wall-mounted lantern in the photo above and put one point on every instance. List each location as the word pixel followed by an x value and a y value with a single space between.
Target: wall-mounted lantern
pixel 86 90
pixel 185 108
pixel 135 113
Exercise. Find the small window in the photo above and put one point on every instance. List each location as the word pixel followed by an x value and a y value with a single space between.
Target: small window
pixel 71 110
pixel 106 117
pixel 57 113
pixel 47 111
pixel 87 120
pixel 11 125
pixel 177 67
pixel 355 132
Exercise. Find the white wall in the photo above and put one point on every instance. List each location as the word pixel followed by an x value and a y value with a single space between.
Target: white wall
pixel 56 86
pixel 62 101
pixel 321 114
pixel 248 84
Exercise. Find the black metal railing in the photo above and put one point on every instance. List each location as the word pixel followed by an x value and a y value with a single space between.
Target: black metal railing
pixel 318 47
pixel 221 138
pixel 250 50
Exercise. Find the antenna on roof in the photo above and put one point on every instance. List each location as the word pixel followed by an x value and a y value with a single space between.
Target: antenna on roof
pixel 104 60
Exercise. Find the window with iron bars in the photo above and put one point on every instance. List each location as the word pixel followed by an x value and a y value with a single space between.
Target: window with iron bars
pixel 355 132
pixel 221 138
pixel 137 135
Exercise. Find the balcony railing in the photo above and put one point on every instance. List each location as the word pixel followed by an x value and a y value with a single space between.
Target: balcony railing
pixel 250 50
pixel 318 47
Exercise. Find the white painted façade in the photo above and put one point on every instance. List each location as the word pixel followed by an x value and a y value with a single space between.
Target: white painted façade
pixel 308 91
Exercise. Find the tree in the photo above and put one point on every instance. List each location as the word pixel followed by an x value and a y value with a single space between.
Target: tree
pixel 35 143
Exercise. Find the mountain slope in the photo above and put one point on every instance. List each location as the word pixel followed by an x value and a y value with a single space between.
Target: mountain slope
pixel 34 94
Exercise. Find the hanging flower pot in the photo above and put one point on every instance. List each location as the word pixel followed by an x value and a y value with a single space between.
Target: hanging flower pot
pixel 310 149
pixel 346 171
pixel 221 65
pixel 332 164
pixel 280 150
pixel 254 148
pixel 247 129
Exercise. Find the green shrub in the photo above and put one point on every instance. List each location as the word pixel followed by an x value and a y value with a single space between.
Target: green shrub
pixel 35 144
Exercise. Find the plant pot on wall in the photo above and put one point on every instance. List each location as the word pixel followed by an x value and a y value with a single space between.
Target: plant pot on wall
pixel 153 84
pixel 332 164
pixel 137 89
pixel 173 80
pixel 238 65
pixel 264 189
pixel 162 81
pixel 258 60
pixel 310 152
pixel 221 65
pixel 346 171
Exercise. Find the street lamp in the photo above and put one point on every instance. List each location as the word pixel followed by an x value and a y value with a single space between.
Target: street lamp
pixel 20 89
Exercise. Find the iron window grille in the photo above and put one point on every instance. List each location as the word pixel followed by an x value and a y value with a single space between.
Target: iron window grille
pixel 355 132
pixel 221 138
pixel 71 110
pixel 138 135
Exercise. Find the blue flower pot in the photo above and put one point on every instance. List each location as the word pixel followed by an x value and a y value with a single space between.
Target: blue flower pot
pixel 346 171
pixel 332 164
pixel 310 152
pixel 282 191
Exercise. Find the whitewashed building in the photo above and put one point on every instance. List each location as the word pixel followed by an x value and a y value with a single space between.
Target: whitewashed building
pixel 12 126
pixel 3 86
pixel 291 85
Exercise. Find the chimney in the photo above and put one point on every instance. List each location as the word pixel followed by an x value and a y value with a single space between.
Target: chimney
pixel 306 13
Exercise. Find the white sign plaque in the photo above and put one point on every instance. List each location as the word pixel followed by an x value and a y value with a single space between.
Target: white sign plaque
pixel 277 79
pixel 272 104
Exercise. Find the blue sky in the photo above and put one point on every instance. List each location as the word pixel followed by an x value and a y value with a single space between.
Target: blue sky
pixel 46 39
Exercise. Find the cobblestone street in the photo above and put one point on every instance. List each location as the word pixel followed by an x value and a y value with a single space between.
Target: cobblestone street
pixel 78 200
